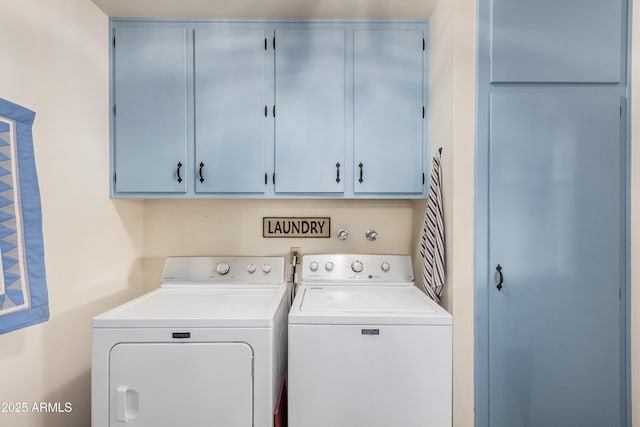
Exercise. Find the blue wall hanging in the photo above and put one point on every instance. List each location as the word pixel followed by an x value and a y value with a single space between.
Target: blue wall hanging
pixel 23 289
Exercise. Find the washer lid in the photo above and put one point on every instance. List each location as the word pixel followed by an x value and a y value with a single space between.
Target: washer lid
pixel 197 307
pixel 401 305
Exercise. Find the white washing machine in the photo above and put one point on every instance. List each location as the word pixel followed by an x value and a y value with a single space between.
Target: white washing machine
pixel 366 347
pixel 208 348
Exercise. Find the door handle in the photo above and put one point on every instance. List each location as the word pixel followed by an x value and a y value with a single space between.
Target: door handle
pixel 500 277
pixel 178 172
pixel 126 404
pixel 200 172
pixel 121 403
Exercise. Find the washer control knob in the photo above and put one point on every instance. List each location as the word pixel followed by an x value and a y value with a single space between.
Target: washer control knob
pixel 313 266
pixel 266 268
pixel 357 266
pixel 328 266
pixel 222 268
pixel 385 266
pixel 251 268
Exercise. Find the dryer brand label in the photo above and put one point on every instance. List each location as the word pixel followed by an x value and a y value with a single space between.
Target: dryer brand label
pixel 309 227
pixel 370 331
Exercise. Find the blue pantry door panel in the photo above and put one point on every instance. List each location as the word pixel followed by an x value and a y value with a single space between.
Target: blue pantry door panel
pixel 150 94
pixel 310 115
pixel 229 104
pixel 556 40
pixel 388 102
pixel 556 229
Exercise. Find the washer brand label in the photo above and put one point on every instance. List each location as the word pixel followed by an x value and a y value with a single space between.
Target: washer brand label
pixel 370 331
pixel 309 227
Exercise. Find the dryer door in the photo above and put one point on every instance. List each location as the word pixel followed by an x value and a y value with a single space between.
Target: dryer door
pixel 188 384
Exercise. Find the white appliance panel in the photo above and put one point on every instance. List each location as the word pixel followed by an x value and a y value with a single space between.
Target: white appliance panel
pixel 197 307
pixel 367 375
pixel 363 300
pixel 148 383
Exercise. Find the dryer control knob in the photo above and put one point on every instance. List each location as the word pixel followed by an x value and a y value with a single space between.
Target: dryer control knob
pixel 313 266
pixel 357 266
pixel 266 268
pixel 251 268
pixel 222 268
pixel 328 266
pixel 385 266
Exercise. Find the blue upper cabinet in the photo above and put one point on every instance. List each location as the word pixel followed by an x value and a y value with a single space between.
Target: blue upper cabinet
pixel 389 111
pixel 231 135
pixel 280 109
pixel 149 126
pixel 309 110
pixel 534 41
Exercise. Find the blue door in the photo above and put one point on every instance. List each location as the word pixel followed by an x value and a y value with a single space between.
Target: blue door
pixel 231 133
pixel 150 106
pixel 388 111
pixel 556 260
pixel 310 110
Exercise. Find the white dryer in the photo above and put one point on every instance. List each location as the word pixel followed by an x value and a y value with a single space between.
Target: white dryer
pixel 366 347
pixel 205 349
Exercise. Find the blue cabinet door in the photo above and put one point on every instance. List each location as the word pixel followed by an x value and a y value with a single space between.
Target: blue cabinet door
pixel 231 134
pixel 150 106
pixel 310 110
pixel 557 40
pixel 388 111
pixel 556 228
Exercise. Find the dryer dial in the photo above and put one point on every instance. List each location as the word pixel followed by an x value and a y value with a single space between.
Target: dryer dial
pixel 357 266
pixel 222 268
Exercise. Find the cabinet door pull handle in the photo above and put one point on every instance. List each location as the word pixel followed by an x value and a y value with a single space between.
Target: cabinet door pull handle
pixel 361 166
pixel 178 172
pixel 338 172
pixel 500 277
pixel 200 172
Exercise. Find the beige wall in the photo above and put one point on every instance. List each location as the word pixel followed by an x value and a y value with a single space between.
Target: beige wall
pixel 635 217
pixel 234 227
pixel 53 60
pixel 462 277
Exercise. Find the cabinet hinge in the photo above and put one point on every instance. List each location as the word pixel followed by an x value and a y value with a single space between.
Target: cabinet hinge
pixel 273 178
pixel 424 44
pixel 274 42
pixel 265 43
pixel 423 111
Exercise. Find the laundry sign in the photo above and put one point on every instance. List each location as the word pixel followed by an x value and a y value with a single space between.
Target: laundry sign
pixel 305 227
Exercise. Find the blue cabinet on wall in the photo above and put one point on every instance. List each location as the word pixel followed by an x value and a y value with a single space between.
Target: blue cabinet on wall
pixel 310 110
pixel 575 41
pixel 272 109
pixel 389 111
pixel 149 114
pixel 231 134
